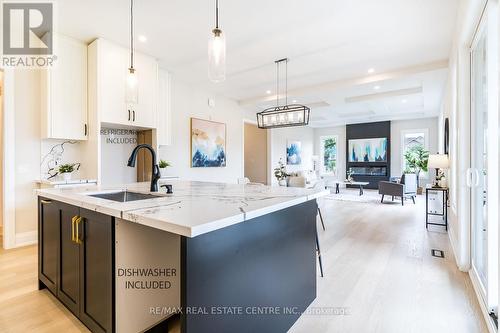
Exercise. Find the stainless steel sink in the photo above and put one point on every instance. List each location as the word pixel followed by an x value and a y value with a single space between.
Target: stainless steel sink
pixel 124 196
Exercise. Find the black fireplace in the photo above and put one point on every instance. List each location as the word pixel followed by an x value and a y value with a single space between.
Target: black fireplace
pixel 372 162
pixel 369 171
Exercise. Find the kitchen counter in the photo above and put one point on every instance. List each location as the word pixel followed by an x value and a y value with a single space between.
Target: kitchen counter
pixel 193 209
pixel 248 247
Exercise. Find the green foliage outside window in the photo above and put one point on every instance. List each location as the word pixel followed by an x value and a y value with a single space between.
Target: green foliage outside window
pixel 330 154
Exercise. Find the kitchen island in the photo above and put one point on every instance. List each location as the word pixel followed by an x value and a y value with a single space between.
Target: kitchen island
pixel 221 257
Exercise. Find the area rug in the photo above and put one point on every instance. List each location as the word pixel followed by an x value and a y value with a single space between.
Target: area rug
pixel 348 194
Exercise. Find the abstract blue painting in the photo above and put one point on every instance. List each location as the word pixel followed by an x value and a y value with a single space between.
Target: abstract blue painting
pixel 293 153
pixel 208 143
pixel 368 150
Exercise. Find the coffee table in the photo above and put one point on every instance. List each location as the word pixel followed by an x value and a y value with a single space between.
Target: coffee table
pixel 360 184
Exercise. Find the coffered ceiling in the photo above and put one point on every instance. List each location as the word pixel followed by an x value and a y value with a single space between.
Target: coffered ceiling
pixel 331 45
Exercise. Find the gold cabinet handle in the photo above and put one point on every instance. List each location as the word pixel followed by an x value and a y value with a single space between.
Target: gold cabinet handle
pixel 73 220
pixel 77 238
pixel 46 201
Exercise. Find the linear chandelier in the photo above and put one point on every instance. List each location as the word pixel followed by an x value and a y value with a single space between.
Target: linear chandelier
pixel 286 115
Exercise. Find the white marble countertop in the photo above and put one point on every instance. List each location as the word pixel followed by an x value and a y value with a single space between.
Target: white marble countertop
pixel 193 209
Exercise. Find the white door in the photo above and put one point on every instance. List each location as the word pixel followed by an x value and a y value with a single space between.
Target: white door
pixel 484 164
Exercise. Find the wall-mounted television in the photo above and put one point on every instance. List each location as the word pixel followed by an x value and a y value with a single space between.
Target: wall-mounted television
pixel 368 150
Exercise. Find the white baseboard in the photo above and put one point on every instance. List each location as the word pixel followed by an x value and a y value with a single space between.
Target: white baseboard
pixel 26 238
pixel 453 243
pixel 476 286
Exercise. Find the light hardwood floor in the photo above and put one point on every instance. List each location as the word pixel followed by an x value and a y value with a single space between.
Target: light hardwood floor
pixel 377 265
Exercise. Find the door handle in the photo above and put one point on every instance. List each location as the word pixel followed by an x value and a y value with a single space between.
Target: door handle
pixel 77 237
pixel 73 220
pixel 45 202
pixel 128 115
pixel 85 130
pixel 476 172
pixel 133 115
pixel 468 177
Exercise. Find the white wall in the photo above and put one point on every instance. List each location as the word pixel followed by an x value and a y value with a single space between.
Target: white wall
pixel 340 132
pixel 27 148
pixel 116 147
pixel 397 127
pixel 278 142
pixel 430 125
pixel 187 102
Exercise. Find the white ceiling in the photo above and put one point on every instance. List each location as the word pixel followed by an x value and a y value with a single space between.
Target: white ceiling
pixel 330 43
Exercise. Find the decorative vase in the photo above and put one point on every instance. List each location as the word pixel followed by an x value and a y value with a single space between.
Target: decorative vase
pixel 163 172
pixel 66 176
pixel 282 182
pixel 442 182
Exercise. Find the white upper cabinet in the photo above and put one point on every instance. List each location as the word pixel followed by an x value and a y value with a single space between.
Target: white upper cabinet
pixel 108 68
pixel 64 92
pixel 164 130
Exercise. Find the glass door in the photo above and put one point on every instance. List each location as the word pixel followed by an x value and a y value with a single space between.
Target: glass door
pixel 484 102
pixel 479 157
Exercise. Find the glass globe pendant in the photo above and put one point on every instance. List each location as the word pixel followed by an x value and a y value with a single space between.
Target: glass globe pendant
pixel 217 51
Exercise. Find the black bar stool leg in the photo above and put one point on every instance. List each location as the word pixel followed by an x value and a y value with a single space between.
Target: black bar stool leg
pixel 319 254
pixel 321 219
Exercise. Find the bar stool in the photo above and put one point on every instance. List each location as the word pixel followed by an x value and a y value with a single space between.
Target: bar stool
pixel 318 250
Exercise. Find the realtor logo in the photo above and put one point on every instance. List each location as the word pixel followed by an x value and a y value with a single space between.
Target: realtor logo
pixel 27 34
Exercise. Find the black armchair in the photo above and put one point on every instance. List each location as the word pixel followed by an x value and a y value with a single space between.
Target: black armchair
pixel 406 188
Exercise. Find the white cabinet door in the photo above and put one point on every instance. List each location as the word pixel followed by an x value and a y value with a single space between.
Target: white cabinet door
pixel 112 65
pixel 164 129
pixel 64 92
pixel 144 113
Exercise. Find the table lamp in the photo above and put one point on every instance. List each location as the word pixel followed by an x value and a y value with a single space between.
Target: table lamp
pixel 438 161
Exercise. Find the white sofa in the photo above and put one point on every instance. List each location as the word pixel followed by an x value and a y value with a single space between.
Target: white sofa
pixel 305 179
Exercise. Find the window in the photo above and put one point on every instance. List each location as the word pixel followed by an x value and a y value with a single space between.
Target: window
pixel 329 154
pixel 410 139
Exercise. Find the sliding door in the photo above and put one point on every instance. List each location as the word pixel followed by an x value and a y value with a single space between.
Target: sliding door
pixel 484 169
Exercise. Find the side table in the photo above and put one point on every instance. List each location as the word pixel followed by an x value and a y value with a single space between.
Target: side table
pixel 436 204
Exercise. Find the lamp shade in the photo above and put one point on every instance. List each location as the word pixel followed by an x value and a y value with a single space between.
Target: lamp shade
pixel 438 161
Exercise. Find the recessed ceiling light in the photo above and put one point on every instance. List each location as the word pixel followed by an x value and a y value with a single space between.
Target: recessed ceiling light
pixel 371 70
pixel 268 92
pixel 404 101
pixel 376 87
pixel 142 38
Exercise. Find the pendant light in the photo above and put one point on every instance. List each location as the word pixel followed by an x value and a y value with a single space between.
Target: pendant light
pixel 217 51
pixel 132 88
pixel 286 115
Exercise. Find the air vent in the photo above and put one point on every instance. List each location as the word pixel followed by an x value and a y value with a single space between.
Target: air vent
pixel 437 253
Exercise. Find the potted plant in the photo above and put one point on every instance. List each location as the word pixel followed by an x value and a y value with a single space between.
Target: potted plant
pixel 67 169
pixel 280 173
pixel 416 158
pixel 163 167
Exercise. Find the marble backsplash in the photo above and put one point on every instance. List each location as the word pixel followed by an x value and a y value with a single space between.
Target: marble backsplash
pixel 56 152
